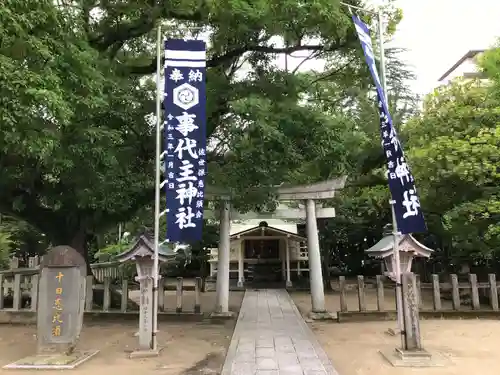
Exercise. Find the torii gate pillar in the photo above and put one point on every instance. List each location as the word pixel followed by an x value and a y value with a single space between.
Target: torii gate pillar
pixel 222 285
pixel 313 251
pixel 309 194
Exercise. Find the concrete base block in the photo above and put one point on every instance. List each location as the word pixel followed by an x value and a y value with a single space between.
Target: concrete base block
pixel 288 284
pixel 56 361
pixel 149 353
pixel 410 358
pixel 222 315
pixel 326 315
pixel 136 334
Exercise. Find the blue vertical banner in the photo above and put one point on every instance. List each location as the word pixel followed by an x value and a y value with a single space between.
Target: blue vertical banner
pixel 185 138
pixel 407 210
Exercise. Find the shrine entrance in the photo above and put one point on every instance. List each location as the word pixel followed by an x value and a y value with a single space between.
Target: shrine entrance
pixel 262 249
pixel 264 255
pixel 263 262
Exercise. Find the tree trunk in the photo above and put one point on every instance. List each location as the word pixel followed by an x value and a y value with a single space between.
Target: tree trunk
pixel 327 281
pixel 79 243
pixel 326 256
pixel 203 271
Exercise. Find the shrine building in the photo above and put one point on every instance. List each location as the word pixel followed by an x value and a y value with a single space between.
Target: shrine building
pixel 265 253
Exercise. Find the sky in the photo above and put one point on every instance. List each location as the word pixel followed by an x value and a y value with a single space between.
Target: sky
pixel 437 33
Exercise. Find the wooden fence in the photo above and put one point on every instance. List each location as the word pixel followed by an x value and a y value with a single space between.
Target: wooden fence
pixel 108 291
pixel 376 297
pixel 101 270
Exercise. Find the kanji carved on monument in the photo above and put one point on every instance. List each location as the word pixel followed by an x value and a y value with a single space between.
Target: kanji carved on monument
pixel 62 297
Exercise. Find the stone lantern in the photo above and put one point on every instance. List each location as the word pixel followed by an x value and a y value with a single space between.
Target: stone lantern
pixel 408 246
pixel 142 252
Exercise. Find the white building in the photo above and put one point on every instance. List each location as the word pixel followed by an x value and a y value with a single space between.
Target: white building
pixel 269 251
pixel 466 67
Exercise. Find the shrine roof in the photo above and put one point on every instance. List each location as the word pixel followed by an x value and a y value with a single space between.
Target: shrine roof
pixel 407 243
pixel 262 231
pixel 144 246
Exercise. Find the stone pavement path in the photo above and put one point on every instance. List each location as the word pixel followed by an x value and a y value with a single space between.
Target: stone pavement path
pixel 271 338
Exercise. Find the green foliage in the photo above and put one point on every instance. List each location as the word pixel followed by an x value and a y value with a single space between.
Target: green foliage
pixel 72 143
pixel 76 146
pixel 107 253
pixel 455 154
pixel 6 247
pixel 21 239
pixel 280 146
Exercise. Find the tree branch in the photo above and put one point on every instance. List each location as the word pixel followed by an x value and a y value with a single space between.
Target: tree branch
pixel 123 32
pixel 334 72
pixel 311 56
pixel 40 217
pixel 237 52
pixel 143 25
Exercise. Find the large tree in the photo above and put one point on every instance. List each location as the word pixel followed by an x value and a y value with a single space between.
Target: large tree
pixel 73 152
pixel 76 146
pixel 455 155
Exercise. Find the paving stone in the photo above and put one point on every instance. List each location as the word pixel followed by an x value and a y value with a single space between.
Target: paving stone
pixel 266 363
pixel 243 368
pixel 267 372
pixel 304 347
pixel 324 358
pixel 285 349
pixel 312 365
pixel 305 355
pixel 246 348
pixel 244 357
pixel 300 340
pixel 265 353
pixel 285 359
pixel 246 341
pixel 291 370
pixel 280 341
pixel 314 372
pixel 271 338
pixel 330 370
pixel 265 343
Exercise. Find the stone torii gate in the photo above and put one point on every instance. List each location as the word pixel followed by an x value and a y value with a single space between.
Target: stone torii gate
pixel 308 194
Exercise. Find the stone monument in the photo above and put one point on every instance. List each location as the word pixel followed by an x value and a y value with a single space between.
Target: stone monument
pixel 60 308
